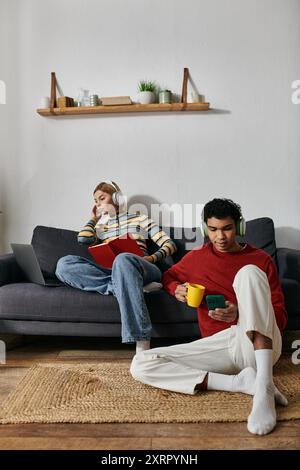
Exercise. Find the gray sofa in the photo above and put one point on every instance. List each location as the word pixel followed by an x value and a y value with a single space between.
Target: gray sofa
pixel 30 309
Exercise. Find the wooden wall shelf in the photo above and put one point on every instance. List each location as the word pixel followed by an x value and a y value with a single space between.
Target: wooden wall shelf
pixel 131 108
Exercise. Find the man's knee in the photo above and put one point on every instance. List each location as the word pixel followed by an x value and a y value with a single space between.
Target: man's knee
pixel 250 272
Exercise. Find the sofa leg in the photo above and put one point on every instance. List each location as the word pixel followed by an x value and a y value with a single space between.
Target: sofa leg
pixel 13 341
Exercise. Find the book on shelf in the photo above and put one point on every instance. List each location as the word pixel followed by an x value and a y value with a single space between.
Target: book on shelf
pixel 105 253
pixel 65 102
pixel 115 100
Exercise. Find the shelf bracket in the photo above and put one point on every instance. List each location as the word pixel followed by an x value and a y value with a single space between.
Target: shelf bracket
pixel 53 93
pixel 184 85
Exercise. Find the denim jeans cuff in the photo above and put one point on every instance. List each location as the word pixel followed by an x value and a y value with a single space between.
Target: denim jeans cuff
pixel 134 340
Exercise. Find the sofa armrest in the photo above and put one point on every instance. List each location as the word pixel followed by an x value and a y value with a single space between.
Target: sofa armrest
pixel 10 271
pixel 288 263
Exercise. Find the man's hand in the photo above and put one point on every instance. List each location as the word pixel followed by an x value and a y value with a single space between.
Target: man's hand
pixel 228 314
pixel 181 291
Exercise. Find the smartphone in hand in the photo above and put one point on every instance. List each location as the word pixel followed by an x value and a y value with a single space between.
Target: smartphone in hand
pixel 215 301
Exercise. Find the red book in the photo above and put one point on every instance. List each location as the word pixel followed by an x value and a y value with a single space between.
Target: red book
pixel 105 253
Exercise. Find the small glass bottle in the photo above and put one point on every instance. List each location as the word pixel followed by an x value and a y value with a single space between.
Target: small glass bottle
pixel 83 97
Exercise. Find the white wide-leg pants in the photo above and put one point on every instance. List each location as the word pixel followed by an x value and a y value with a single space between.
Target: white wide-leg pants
pixel 181 367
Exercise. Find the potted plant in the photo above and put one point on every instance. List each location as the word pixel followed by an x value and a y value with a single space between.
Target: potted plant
pixel 146 93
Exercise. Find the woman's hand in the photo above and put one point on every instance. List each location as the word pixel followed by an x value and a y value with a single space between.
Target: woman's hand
pixel 94 214
pixel 149 258
pixel 228 314
pixel 181 291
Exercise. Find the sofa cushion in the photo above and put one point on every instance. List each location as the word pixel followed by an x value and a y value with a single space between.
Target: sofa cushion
pixel 291 292
pixel 261 233
pixel 50 244
pixel 27 301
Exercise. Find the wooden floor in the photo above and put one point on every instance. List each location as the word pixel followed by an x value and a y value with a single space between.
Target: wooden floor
pixel 125 436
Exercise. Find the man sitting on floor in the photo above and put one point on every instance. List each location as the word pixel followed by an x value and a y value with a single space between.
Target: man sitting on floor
pixel 240 343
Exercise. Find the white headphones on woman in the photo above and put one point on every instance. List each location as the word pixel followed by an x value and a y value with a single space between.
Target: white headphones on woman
pixel 117 197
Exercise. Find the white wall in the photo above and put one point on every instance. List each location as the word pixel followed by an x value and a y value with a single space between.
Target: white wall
pixel 242 54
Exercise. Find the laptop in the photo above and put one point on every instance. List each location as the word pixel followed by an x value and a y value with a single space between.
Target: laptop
pixel 28 262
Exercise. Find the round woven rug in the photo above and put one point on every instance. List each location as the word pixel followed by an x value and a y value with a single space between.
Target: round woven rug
pixel 106 393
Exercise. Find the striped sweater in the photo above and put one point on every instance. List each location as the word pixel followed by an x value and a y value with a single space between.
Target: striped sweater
pixel 138 225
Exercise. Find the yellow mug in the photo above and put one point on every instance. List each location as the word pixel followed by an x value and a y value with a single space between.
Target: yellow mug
pixel 195 293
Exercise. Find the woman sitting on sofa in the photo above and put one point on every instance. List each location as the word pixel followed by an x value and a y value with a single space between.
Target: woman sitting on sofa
pixel 129 272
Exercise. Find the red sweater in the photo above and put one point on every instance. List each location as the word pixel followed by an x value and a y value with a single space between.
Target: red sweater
pixel 216 271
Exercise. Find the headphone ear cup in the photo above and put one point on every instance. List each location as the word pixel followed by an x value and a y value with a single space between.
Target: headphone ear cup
pixel 204 229
pixel 115 198
pixel 241 227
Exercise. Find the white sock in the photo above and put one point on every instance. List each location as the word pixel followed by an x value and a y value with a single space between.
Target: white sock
pixel 142 346
pixel 262 418
pixel 244 382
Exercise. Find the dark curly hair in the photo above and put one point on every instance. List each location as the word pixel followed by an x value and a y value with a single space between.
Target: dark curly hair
pixel 222 208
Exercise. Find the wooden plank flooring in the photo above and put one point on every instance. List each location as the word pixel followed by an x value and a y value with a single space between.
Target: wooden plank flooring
pixel 124 436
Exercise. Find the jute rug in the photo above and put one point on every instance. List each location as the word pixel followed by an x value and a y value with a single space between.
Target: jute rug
pixel 106 393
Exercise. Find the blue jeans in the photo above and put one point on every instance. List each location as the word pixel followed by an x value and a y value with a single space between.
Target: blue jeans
pixel 125 280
